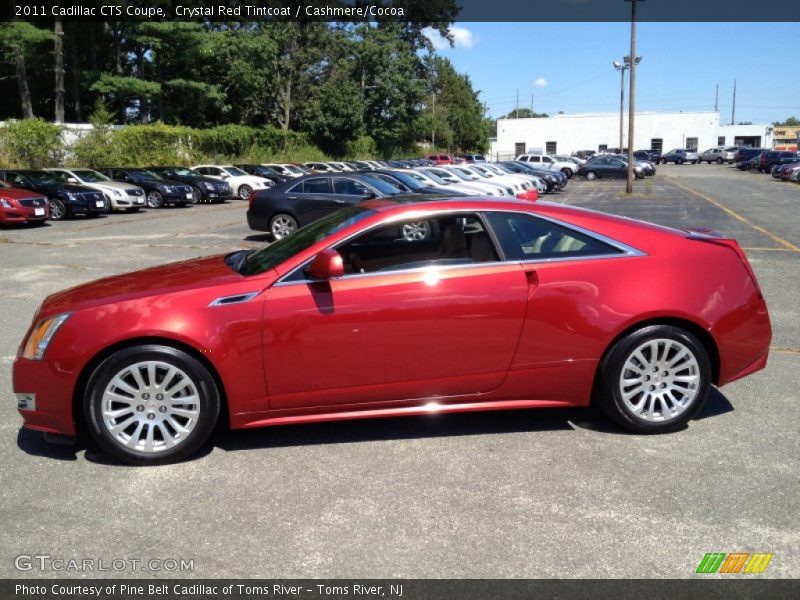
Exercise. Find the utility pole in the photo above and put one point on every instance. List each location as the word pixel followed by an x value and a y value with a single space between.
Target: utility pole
pixel 58 50
pixel 716 100
pixel 621 67
pixel 733 110
pixel 631 98
pixel 516 110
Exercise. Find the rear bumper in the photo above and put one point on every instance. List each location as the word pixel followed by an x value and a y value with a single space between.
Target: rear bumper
pixel 743 339
pixel 52 388
pixel 257 222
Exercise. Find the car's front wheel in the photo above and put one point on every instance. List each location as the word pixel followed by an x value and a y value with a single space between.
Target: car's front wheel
pixel 282 225
pixel 58 210
pixel 655 379
pixel 197 195
pixel 155 199
pixel 591 175
pixel 245 191
pixel 151 404
pixel 719 161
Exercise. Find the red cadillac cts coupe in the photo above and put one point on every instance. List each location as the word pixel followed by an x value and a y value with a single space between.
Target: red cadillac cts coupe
pixel 502 305
pixel 18 206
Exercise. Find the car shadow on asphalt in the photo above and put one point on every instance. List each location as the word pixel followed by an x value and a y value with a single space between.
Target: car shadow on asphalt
pixel 259 237
pixel 374 430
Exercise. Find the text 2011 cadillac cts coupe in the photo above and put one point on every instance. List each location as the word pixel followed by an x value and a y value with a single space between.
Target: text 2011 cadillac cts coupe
pixel 503 305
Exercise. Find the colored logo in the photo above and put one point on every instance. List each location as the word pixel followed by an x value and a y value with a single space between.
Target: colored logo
pixel 734 562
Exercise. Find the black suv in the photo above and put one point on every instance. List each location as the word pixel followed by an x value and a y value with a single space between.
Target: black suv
pixel 160 191
pixel 772 158
pixel 66 199
pixel 204 189
pixel 745 154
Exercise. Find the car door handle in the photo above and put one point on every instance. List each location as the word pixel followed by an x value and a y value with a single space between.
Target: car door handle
pixel 532 277
pixel 291 197
pixel 339 201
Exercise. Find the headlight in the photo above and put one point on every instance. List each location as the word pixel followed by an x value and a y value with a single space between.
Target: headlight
pixel 41 335
pixel 6 203
pixel 208 186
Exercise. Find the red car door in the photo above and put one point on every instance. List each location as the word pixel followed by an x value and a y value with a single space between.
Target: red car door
pixel 411 334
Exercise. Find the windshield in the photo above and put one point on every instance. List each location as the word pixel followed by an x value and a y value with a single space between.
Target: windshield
pixel 463 175
pixel 293 169
pixel 90 176
pixel 145 174
pixel 183 172
pixel 234 171
pixel 269 257
pixel 383 186
pixel 41 177
pixel 503 169
pixel 409 180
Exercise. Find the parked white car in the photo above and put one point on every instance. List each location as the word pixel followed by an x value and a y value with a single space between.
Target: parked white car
pixel 545 161
pixel 285 169
pixel 121 196
pixel 242 184
pixel 474 183
pixel 435 181
pixel 320 167
pixel 535 181
pixel 518 184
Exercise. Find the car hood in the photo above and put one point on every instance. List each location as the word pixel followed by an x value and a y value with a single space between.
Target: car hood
pixel 175 277
pixel 113 185
pixel 18 193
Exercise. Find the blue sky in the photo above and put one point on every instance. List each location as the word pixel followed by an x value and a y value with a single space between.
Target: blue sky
pixel 681 65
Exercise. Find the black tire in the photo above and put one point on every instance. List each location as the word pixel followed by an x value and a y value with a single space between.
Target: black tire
pixel 679 161
pixel 719 160
pixel 591 175
pixel 58 210
pixel 154 199
pixel 207 393
pixel 609 395
pixel 567 172
pixel 197 195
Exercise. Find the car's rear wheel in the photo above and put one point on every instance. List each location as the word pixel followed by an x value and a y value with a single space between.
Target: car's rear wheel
pixel 245 191
pixel 151 404
pixel 567 172
pixel 57 209
pixel 679 161
pixel 591 175
pixel 155 199
pixel 655 379
pixel 282 225
pixel 719 161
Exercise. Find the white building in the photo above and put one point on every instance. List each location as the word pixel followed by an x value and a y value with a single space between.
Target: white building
pixel 663 131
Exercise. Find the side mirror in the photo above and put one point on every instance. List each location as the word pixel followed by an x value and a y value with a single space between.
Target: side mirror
pixel 368 195
pixel 325 265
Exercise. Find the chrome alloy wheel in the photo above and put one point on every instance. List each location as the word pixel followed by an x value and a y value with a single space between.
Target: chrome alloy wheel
pixel 283 226
pixel 415 231
pixel 659 380
pixel 150 406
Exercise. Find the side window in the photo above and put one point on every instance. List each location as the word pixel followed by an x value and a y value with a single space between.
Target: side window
pixel 16 180
pixel 414 244
pixel 318 185
pixel 526 237
pixel 616 164
pixel 60 175
pixel 535 159
pixel 349 187
pixel 202 170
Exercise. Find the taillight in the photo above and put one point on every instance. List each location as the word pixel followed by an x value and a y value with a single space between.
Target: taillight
pixel 530 195
pixel 732 245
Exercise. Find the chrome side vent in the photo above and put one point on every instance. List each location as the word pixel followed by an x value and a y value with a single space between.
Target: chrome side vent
pixel 236 299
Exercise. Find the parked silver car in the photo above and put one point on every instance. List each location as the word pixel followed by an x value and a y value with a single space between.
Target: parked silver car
pixel 719 155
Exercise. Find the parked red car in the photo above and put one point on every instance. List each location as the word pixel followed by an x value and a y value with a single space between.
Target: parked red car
pixel 22 206
pixel 501 305
pixel 442 159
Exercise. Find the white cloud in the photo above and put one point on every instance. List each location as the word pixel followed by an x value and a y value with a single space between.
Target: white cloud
pixel 462 38
pixel 541 82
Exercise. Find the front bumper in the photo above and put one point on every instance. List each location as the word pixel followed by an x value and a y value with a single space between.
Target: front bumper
pixel 44 396
pixel 23 214
pixel 126 201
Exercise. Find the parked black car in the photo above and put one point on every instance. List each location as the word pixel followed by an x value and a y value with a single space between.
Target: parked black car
pixel 653 156
pixel 555 180
pixel 405 183
pixel 606 165
pixel 282 209
pixel 65 199
pixel 745 154
pixel 160 191
pixel 204 189
pixel 768 160
pixel 265 172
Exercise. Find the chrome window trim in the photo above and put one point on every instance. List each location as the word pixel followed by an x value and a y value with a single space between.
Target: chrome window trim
pixel 626 251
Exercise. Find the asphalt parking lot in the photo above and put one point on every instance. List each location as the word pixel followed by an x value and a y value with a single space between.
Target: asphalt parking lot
pixel 547 493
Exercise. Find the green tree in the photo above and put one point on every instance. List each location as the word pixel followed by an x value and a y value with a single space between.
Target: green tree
pixel 18 40
pixel 790 122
